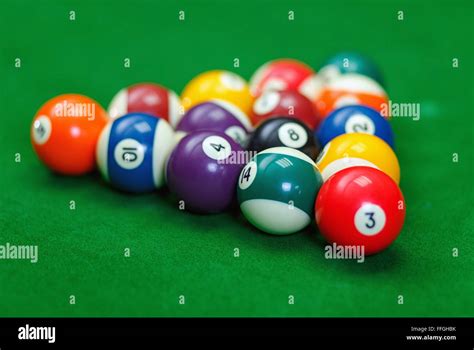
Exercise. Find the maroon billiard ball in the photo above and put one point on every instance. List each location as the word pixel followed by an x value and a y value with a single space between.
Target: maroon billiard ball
pixel 285 103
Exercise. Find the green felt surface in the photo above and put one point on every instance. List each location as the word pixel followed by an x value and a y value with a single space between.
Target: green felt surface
pixel 81 252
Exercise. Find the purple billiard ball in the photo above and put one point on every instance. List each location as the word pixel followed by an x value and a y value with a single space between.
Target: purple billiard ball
pixel 203 170
pixel 217 115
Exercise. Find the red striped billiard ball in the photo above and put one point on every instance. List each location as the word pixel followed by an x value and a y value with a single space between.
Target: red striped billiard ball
pixel 148 98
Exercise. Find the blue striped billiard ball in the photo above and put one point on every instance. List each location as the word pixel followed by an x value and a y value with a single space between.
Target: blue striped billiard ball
pixel 132 152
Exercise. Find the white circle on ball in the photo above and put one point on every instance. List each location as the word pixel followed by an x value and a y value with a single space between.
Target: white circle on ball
pixel 346 100
pixel 42 128
pixel 237 133
pixel 370 219
pixel 216 147
pixel 248 175
pixel 129 154
pixel 359 123
pixel 292 135
pixel 266 103
pixel 232 81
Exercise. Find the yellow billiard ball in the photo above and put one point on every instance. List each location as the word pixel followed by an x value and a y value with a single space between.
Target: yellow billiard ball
pixel 357 149
pixel 218 84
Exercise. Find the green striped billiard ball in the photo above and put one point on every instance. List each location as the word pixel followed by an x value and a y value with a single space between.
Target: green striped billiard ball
pixel 277 189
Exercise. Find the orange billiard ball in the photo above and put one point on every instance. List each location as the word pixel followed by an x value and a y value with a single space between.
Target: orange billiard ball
pixel 351 89
pixel 65 131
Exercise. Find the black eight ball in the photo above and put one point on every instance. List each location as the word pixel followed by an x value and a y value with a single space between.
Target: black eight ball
pixel 284 132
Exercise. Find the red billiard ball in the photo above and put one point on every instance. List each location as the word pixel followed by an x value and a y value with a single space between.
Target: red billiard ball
pixel 283 75
pixel 148 98
pixel 360 206
pixel 285 103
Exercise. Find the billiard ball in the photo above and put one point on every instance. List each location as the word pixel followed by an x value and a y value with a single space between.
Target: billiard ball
pixel 203 169
pixel 360 206
pixel 284 103
pixel 350 62
pixel 283 75
pixel 148 98
pixel 132 151
pixel 217 115
pixel 353 119
pixel 284 132
pixel 65 131
pixel 277 189
pixel 218 84
pixel 352 89
pixel 357 149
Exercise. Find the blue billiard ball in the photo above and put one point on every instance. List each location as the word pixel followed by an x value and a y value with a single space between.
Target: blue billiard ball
pixel 132 151
pixel 354 119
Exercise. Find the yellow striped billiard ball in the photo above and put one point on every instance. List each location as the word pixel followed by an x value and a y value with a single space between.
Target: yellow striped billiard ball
pixel 357 149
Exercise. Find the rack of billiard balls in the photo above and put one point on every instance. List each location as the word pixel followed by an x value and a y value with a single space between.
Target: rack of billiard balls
pixel 291 145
